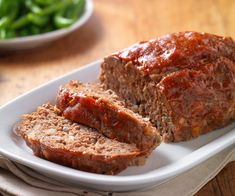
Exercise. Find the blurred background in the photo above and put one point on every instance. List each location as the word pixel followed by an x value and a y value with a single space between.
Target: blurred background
pixel 114 25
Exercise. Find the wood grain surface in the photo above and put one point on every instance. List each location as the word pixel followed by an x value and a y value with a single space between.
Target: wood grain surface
pixel 116 24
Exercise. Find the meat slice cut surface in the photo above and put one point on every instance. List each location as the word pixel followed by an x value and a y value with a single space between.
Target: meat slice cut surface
pixel 90 105
pixel 54 138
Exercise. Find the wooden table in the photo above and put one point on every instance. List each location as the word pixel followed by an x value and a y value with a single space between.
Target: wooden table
pixel 114 25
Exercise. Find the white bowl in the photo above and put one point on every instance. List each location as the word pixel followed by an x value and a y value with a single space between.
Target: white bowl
pixel 28 42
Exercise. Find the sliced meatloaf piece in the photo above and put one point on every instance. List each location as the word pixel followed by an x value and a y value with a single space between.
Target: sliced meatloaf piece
pixel 183 81
pixel 90 105
pixel 62 141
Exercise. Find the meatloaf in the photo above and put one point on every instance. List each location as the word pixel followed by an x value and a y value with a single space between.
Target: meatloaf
pixel 90 105
pixel 183 81
pixel 62 141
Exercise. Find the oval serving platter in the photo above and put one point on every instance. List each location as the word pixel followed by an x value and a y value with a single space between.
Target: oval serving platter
pixel 166 162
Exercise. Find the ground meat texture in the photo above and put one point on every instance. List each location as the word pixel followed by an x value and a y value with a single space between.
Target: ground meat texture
pixel 90 105
pixel 54 138
pixel 183 81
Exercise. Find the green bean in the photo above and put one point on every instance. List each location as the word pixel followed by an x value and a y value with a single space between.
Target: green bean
pixel 4 21
pixel 34 18
pixel 44 2
pixel 60 21
pixel 20 22
pixel 32 6
pixel 55 7
pixel 37 19
pixel 73 12
pixel 10 16
pixel 3 33
pixel 7 33
pixel 4 7
pixel 31 17
pixel 78 8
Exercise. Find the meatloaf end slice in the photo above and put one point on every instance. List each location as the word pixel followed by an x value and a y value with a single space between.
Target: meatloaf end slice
pixel 141 74
pixel 54 138
pixel 90 105
pixel 197 101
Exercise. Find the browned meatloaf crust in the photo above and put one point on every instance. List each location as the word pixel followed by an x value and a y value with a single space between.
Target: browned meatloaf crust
pixel 183 81
pixel 90 105
pixel 62 141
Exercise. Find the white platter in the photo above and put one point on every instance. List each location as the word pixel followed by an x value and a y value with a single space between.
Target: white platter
pixel 166 162
pixel 33 41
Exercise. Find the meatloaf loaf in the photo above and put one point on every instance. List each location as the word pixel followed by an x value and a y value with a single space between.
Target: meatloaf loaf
pixel 62 141
pixel 90 105
pixel 185 82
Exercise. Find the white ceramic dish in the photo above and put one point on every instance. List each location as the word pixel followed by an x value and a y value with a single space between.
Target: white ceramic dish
pixel 29 42
pixel 166 162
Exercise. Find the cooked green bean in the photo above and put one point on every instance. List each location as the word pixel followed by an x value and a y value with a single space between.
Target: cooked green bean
pixel 23 21
pixel 56 7
pixel 68 16
pixel 6 16
pixel 4 21
pixel 7 33
pixel 44 2
pixel 32 6
pixel 38 19
pixel 31 17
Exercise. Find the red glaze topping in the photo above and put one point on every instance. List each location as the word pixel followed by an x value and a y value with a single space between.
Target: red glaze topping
pixel 201 99
pixel 107 117
pixel 177 51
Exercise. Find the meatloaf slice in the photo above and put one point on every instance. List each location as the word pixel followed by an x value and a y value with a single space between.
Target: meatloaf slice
pixel 90 105
pixel 146 74
pixel 62 141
